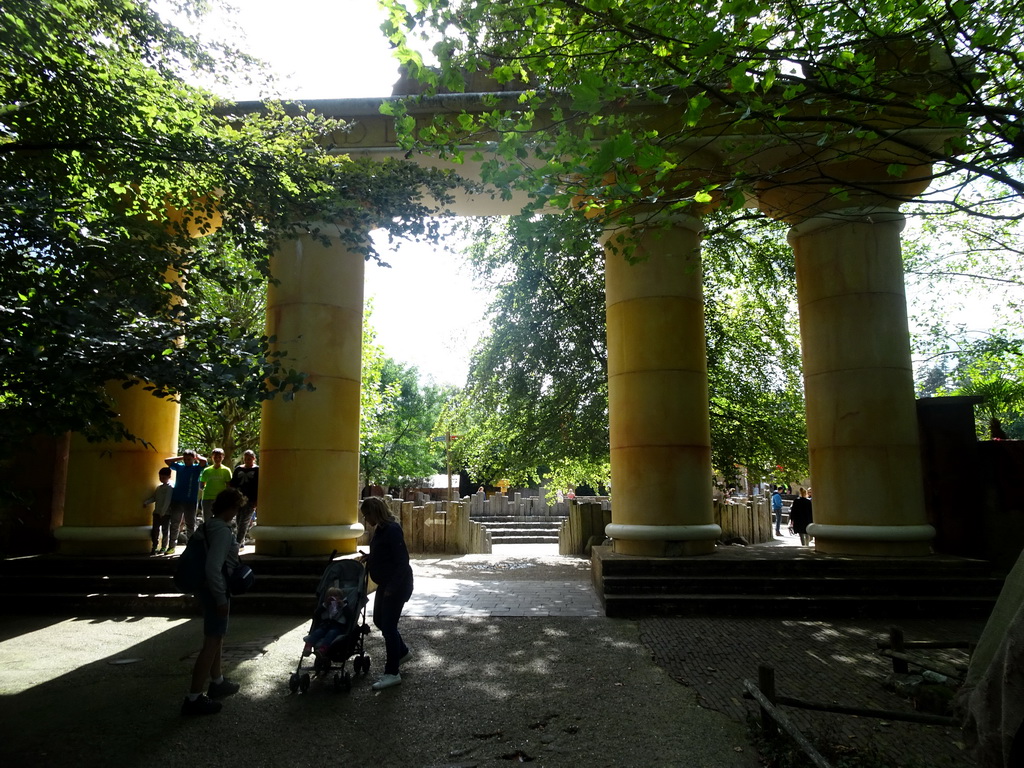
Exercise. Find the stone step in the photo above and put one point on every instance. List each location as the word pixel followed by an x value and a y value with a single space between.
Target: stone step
pixel 524 539
pixel 847 585
pixel 784 581
pixel 508 530
pixel 173 604
pixel 144 586
pixel 796 606
pixel 799 564
pixel 510 520
pixel 52 564
pixel 140 584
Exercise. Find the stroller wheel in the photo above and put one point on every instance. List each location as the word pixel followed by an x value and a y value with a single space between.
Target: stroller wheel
pixel 362 664
pixel 342 682
pixel 304 682
pixel 293 682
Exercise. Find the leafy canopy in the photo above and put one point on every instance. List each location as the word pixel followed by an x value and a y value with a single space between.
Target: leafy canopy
pixel 536 404
pixel 125 188
pixel 928 81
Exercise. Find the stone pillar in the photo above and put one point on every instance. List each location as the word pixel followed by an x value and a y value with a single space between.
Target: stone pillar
pixel 106 482
pixel 309 445
pixel 862 427
pixel 658 395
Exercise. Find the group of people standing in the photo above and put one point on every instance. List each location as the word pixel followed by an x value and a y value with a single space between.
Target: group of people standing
pixel 195 477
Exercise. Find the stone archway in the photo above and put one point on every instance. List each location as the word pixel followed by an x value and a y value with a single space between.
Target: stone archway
pixel 860 398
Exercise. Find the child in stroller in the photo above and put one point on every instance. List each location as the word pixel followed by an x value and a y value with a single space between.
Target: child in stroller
pixel 338 626
pixel 332 623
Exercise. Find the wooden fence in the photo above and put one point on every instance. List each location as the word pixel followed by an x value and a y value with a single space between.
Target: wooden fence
pixel 585 525
pixel 482 505
pixel 442 528
pixel 454 527
pixel 750 520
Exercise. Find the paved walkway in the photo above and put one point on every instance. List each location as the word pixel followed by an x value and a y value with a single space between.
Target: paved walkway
pixel 514 593
pixel 461 597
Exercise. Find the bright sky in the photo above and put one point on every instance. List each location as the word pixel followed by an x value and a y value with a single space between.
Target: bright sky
pixel 426 310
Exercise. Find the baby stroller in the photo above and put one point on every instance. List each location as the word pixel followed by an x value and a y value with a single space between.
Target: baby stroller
pixel 349 576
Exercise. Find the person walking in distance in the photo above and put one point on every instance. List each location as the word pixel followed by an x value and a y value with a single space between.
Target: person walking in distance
pixel 777 509
pixel 388 564
pixel 246 478
pixel 800 516
pixel 185 496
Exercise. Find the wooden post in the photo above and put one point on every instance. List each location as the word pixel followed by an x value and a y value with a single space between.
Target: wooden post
pixel 899 665
pixel 766 683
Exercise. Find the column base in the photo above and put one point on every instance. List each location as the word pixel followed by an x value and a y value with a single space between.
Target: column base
pixel 306 540
pixel 663 540
pixel 103 540
pixel 872 540
pixel 663 548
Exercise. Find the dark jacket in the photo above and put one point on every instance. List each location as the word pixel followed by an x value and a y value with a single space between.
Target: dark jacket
pixel 388 561
pixel 247 480
pixel 800 514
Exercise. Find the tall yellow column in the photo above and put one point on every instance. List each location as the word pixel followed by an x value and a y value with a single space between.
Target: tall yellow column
pixel 309 446
pixel 658 395
pixel 861 418
pixel 106 483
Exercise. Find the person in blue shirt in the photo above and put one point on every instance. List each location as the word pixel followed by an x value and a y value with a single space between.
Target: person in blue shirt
pixel 777 510
pixel 185 497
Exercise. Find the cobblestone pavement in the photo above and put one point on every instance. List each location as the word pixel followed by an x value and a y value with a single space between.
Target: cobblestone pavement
pixel 822 661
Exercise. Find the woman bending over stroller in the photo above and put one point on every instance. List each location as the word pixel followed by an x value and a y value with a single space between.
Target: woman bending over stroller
pixel 388 565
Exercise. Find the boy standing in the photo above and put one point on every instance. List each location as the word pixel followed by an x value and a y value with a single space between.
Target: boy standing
pixel 185 496
pixel 161 498
pixel 246 478
pixel 213 480
pixel 215 598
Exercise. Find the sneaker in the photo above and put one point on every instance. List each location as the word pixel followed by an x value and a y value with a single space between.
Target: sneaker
pixel 201 706
pixel 224 688
pixel 407 657
pixel 387 681
pixel 153 551
pixel 170 551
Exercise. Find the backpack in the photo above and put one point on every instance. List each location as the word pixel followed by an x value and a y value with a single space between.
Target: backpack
pixel 190 574
pixel 241 579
